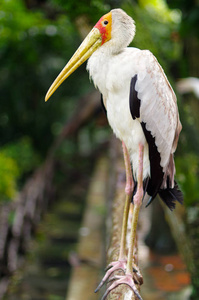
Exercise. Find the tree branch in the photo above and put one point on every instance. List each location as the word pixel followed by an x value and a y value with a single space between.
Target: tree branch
pixel 122 292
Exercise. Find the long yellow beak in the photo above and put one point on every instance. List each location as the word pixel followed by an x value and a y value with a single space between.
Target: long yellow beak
pixel 85 50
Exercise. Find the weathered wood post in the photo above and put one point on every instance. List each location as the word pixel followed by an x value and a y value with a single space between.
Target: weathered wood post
pixel 117 200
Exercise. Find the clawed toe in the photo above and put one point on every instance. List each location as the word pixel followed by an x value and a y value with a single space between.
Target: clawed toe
pixel 112 267
pixel 130 280
pixel 126 279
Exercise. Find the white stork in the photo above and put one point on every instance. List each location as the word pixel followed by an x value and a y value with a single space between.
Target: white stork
pixel 142 111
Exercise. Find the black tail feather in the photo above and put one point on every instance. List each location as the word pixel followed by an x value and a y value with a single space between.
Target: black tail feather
pixel 149 201
pixel 171 195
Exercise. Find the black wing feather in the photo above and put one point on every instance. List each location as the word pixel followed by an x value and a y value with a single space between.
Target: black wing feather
pixel 134 101
pixel 168 195
pixel 157 173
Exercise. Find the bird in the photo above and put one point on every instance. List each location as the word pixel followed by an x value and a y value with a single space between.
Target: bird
pixel 142 111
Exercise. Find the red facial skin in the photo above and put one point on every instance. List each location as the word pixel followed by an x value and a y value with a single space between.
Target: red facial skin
pixel 105 29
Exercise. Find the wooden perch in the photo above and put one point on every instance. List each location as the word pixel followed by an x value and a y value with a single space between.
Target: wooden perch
pixel 117 184
pixel 123 291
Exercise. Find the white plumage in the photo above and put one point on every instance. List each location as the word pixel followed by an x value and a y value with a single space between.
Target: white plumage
pixel 112 77
pixel 112 74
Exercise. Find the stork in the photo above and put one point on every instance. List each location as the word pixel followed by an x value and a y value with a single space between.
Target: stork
pixel 142 110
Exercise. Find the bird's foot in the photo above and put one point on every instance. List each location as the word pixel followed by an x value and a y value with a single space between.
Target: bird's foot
pixel 112 267
pixel 128 279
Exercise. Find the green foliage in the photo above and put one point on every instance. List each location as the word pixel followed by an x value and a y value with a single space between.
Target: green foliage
pixel 93 8
pixel 187 174
pixel 23 154
pixel 160 11
pixel 8 173
pixel 33 50
pixel 16 21
pixel 190 16
pixel 187 161
pixel 16 159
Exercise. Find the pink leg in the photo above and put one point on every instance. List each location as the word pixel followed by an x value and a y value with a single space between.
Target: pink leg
pixel 137 200
pixel 130 278
pixel 129 178
pixel 129 192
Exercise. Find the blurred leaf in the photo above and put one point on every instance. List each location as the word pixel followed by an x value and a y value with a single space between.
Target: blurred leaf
pixel 8 174
pixel 92 8
pixel 187 174
pixel 16 159
pixel 23 154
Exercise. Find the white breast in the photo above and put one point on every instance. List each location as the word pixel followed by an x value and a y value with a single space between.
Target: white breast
pixel 127 130
pixel 112 76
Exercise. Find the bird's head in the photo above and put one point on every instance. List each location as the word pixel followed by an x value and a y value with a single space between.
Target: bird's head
pixel 115 31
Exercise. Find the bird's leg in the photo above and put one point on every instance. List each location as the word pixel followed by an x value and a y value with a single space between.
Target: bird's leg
pixel 137 200
pixel 132 278
pixel 129 192
pixel 120 264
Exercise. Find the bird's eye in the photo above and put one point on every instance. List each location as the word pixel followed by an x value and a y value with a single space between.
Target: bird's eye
pixel 105 22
